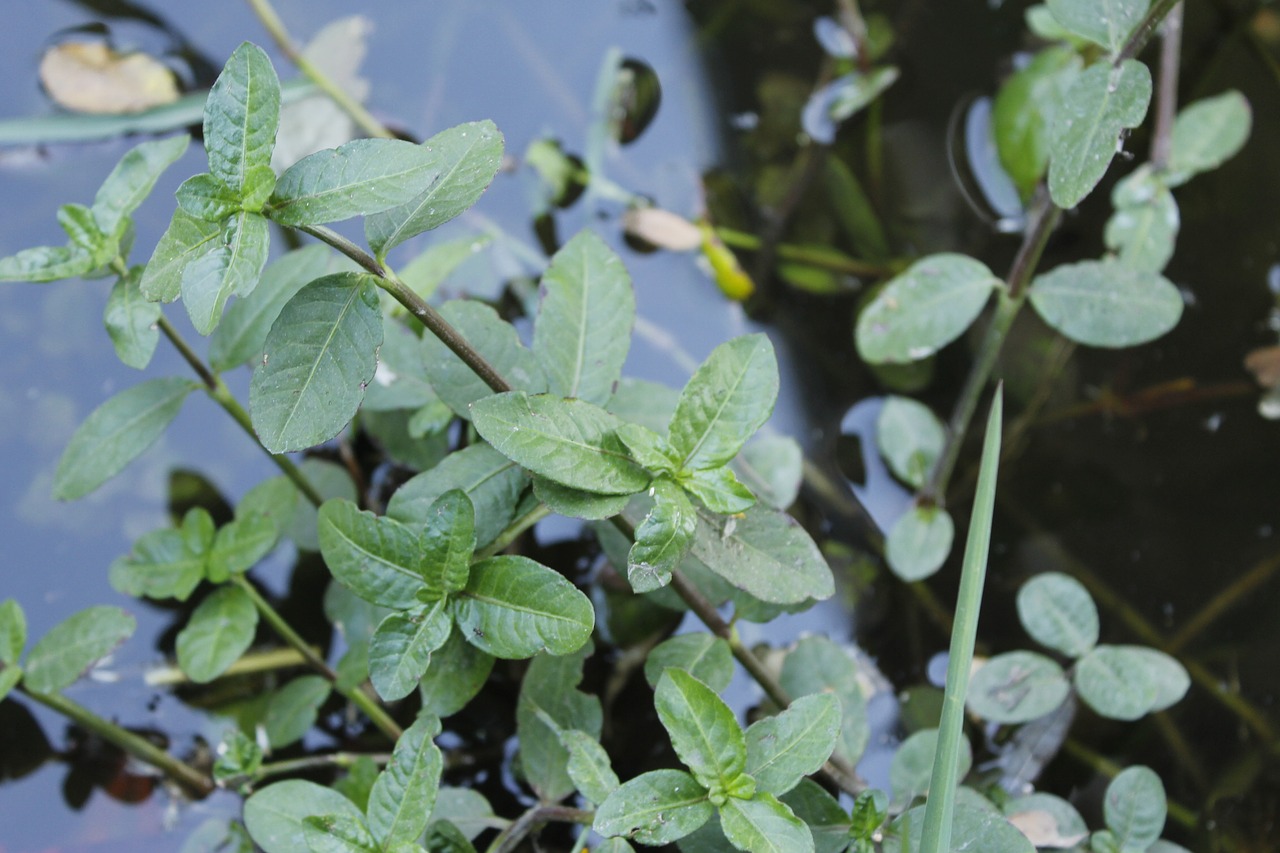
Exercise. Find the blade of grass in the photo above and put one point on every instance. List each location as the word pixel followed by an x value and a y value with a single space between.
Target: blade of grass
pixel 942 784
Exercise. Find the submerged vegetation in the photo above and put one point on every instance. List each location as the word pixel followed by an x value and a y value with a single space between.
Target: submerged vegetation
pixel 460 425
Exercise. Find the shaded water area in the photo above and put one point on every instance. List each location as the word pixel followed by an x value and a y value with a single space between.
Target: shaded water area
pixel 1148 472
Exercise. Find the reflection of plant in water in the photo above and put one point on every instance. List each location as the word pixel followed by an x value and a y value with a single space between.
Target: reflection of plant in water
pixel 429 593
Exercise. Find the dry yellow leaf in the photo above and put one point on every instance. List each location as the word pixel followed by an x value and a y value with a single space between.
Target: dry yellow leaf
pixel 90 77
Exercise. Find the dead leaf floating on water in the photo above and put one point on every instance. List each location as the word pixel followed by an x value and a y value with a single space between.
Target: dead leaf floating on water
pixel 662 228
pixel 90 77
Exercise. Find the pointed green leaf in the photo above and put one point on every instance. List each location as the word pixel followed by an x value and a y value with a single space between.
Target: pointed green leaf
pixel 240 544
pixel 161 564
pixel 771 467
pixel 274 815
pixel 1106 303
pixel 655 808
pixel 1058 612
pixel 491 336
pixel 1144 227
pixel 1135 808
pixel 459 672
pixel 401 381
pixel 818 666
pixel 1206 134
pixel 925 308
pixel 10 675
pixel 706 657
pixel 910 438
pixel 292 710
pixel 133 178
pixel 75 644
pixel 241 116
pixel 663 538
pixel 583 329
pixel 1101 104
pixel 187 239
pixel 13 631
pixel 568 441
pixel 704 732
pixel 575 503
pixel 401 648
pixel 320 354
pixel 1104 22
pixel 337 834
pixel 82 229
pixel 490 480
pixel 589 765
pixel 764 825
pixel 827 821
pixel 447 543
pixel 1023 114
pixel 115 433
pixel 46 263
pixel 719 490
pixel 131 321
pixel 466 809
pixel 208 198
pixel 647 447
pixel 727 399
pixel 919 542
pixel 783 749
pixel 402 797
pixel 550 704
pixel 467 158
pixel 764 552
pixel 1017 687
pixel 362 177
pixel 233 268
pixel 376 558
pixel 219 631
pixel 514 608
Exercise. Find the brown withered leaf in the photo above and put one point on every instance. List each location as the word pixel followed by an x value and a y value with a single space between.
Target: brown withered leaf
pixel 1041 829
pixel 90 77
pixel 662 228
pixel 1264 364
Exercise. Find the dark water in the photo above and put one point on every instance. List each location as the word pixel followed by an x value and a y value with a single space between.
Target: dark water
pixel 1166 499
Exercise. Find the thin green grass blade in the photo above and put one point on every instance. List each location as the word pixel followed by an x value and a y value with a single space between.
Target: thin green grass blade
pixel 942 785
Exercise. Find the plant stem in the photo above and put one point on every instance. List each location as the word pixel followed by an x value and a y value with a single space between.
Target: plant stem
pixel 275 27
pixel 1227 598
pixel 513 530
pixel 362 700
pixel 1144 31
pixel 139 747
pixel 313 762
pixel 248 664
pixel 1099 762
pixel 511 837
pixel 803 254
pixel 1166 106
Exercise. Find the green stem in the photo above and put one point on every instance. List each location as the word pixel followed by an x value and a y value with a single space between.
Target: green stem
pixel 1228 598
pixel 275 27
pixel 513 530
pixel 139 747
pixel 511 837
pixel 1144 31
pixel 803 254
pixel 362 700
pixel 341 760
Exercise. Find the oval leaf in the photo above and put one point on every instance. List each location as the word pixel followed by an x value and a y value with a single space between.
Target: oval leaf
pixel 1106 303
pixel 1104 22
pixel 1135 808
pixel 818 666
pixel 133 178
pixel 912 767
pixel 320 354
pixel 73 645
pixel 274 815
pixel 131 321
pixel 910 438
pixel 405 792
pixel 1058 612
pixel 782 750
pixel 187 239
pixel 401 647
pixel 663 538
pixel 706 657
pixel 1206 134
pixel 1117 683
pixel 972 829
pixel 764 552
pixel 655 808
pixel 491 336
pixel 292 710
pixel 376 558
pixel 924 309
pixel 919 542
pixel 764 825
pixel 241 115
pixel 727 399
pixel 491 481
pixel 704 732
pixel 233 267
pixel 1017 687
pixel 219 631
pixel 514 608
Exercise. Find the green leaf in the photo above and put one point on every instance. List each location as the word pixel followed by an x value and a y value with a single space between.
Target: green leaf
pixel 924 309
pixel 647 447
pixel 402 797
pixel 764 825
pixel 912 766
pixel 569 441
pixel 274 815
pixel 1101 104
pixel 13 632
pixel 116 433
pixel 1206 134
pixel 1024 111
pixel 219 631
pixel 719 490
pixel 466 809
pixel 550 704
pixel 910 438
pixel 447 543
pixel 337 834
pixel 491 336
pixel 644 403
pixel 1135 808
pixel 239 756
pixel 1058 612
pixel 772 468
pixel 783 749
pixel 466 158
pixel 576 503
pixel 704 732
pixel 1106 303
pixel 232 268
pixel 828 823
pixel 585 314
pixel 240 544
pixel 460 671
pixel 663 538
pixel 133 178
pixel 292 710
pixel 376 558
pixel 78 222
pixel 187 239
pixel 208 198
pixel 972 829
pixel 1144 227
pixel 320 354
pixel 161 564
pixel 359 178
pixel 919 542
pixel 706 657
pixel 818 666
pixel 589 766
pixel 854 211
pixel 1104 22
pixel 75 644
pixel 1017 687
pixel 766 553
pixel 655 808
pixel 131 321
pixel 514 608
pixel 1170 677
pixel 46 263
pixel 727 399
pixel 1116 683
pixel 259 184
pixel 241 116
pixel 490 480
pixel 401 647
pixel 401 380
pixel 426 272
pixel 1057 819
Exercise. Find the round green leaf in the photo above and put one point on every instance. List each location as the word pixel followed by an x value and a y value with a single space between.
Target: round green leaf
pixel 912 767
pixel 73 645
pixel 1135 808
pixel 924 309
pixel 339 834
pixel 764 552
pixel 817 665
pixel 274 814
pixel 1017 687
pixel 1117 682
pixel 919 542
pixel 1023 114
pixel 1170 677
pixel 514 608
pixel 131 321
pixel 771 467
pixel 705 656
pixel 1058 612
pixel 218 632
pixel 1144 227
pixel 1206 134
pixel 1106 303
pixel 910 437
pixel 1104 22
